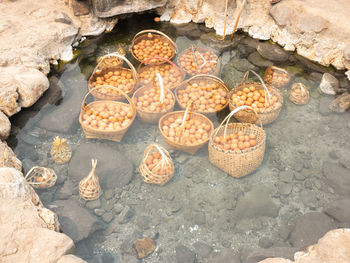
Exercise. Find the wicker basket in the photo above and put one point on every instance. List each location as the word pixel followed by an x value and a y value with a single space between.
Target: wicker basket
pixel 237 163
pixel 162 172
pixel 149 116
pixel 208 79
pixel 41 177
pixel 112 61
pixel 277 77
pixel 177 75
pixel 89 187
pixel 102 68
pixel 199 57
pixel 299 94
pixel 151 34
pixel 185 115
pixel 113 135
pixel 60 151
pixel 265 117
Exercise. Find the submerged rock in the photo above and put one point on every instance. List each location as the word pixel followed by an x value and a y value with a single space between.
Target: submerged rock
pixel 329 84
pixel 339 210
pixel 272 52
pixel 258 60
pixel 226 255
pixel 341 103
pixel 144 247
pixel 337 177
pixel 185 255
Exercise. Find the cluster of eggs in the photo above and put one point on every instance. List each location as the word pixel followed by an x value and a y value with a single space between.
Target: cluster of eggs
pixel 157 165
pixel 107 117
pixel 199 62
pixel 236 141
pixel 256 99
pixel 150 101
pixel 276 77
pixel 205 97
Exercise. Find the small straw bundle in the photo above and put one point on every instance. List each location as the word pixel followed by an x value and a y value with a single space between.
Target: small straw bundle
pixel 156 166
pixel 41 177
pixel 89 187
pixel 60 151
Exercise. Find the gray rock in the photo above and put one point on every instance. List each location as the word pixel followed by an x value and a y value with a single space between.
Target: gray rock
pixel 257 202
pixel 341 103
pixel 339 210
pixel 241 64
pixel 315 76
pixel 127 245
pixel 93 204
pixel 202 250
pixel 280 252
pixel 63 18
pixel 308 198
pixel 107 205
pixel 67 190
pixel 346 52
pixel 254 224
pixel 126 215
pixel 231 76
pixel 108 160
pixel 109 194
pixel 323 106
pixel 329 84
pixel 299 176
pixel 196 218
pixel 272 52
pixel 309 228
pixel 258 60
pixel 286 176
pixel 108 217
pixel 117 208
pixel 211 40
pixel 337 177
pixel 143 222
pixel 190 30
pixel 224 256
pixel 265 242
pixel 99 212
pixel 185 255
pixel 284 188
pixel 76 221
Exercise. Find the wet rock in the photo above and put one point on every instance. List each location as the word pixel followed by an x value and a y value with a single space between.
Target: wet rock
pixel 108 160
pixel 252 224
pixel 5 126
pixel 93 204
pixel 75 220
pixel 308 198
pixel 337 177
pixel 315 76
pixel 52 95
pixel 231 76
pixel 126 215
pixel 63 18
pixel 256 59
pixel 286 176
pixel 99 212
pixel 107 205
pixel 117 208
pixel 143 222
pixel 241 64
pixel 127 245
pixel 9 158
pixel 299 176
pixel 190 30
pixel 309 228
pixel 185 255
pixel 341 103
pixel 196 218
pixel 213 41
pixel 66 190
pixel 265 242
pixel 272 52
pixel 256 202
pixel 276 260
pixel 108 217
pixel 295 70
pixel 80 8
pixel 224 256
pixel 202 250
pixel 144 247
pixel 339 210
pixel 323 106
pixel 109 194
pixel 329 84
pixel 284 188
pixel 261 254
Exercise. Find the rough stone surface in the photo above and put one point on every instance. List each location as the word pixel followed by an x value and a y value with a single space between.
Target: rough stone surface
pixel 76 221
pixel 339 210
pixel 107 158
pixel 70 259
pixel 258 60
pixel 272 52
pixel 329 84
pixel 8 157
pixel 337 177
pixel 341 103
pixel 5 126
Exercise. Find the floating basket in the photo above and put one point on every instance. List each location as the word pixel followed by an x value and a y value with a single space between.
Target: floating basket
pixel 299 94
pixel 150 41
pixel 164 106
pixel 156 166
pixel 114 132
pixel 60 151
pixel 125 79
pixel 277 77
pixel 112 61
pixel 266 116
pixel 89 187
pixel 198 60
pixel 202 81
pixel 242 162
pixel 41 177
pixel 172 75
pixel 181 144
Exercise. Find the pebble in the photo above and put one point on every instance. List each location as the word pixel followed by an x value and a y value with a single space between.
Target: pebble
pixel 143 222
pixel 108 217
pixel 107 205
pixel 144 247
pixel 286 176
pixel 118 208
pixel 99 212
pixel 93 204
pixel 284 188
pixel 125 216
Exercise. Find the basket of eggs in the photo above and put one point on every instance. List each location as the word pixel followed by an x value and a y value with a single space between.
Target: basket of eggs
pixel 156 166
pixel 207 93
pixel 153 101
pixel 106 119
pixel 264 99
pixel 171 74
pixel 185 130
pixel 108 76
pixel 237 148
pixel 277 77
pixel 150 44
pixel 41 177
pixel 198 60
pixel 299 94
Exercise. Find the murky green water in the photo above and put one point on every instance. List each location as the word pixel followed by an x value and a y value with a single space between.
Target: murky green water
pixel 201 208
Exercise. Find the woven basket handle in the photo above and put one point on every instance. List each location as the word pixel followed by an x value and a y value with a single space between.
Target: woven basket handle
pixel 279 69
pixel 228 118
pixel 210 77
pixel 83 103
pixel 165 155
pixel 301 87
pixel 156 32
pixel 133 70
pixel 165 59
pixel 161 88
pixel 183 124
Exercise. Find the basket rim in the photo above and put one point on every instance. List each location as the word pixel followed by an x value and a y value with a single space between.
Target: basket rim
pixel 146 67
pixel 250 149
pixel 183 112
pixel 242 85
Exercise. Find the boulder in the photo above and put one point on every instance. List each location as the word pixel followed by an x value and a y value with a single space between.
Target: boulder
pixel 341 103
pixel 113 169
pixel 272 52
pixel 5 126
pixel 329 84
